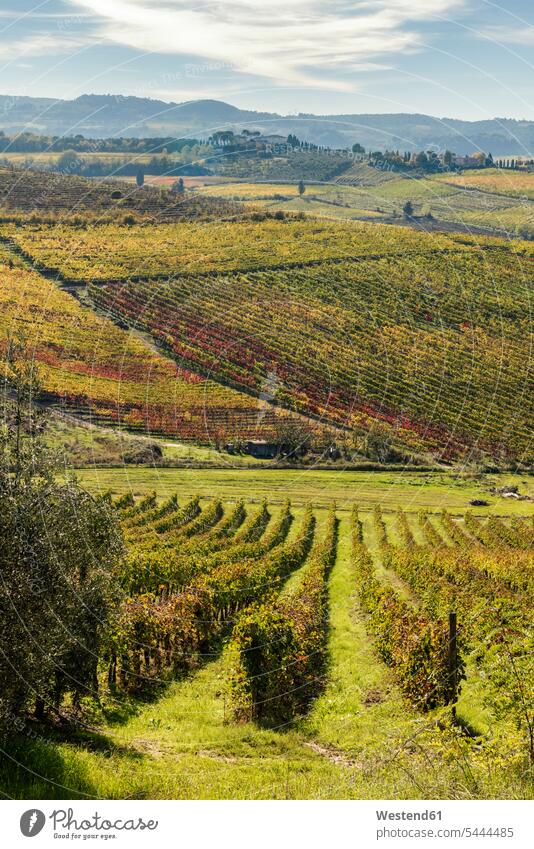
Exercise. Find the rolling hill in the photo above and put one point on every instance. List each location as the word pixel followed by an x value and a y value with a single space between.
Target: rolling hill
pixel 420 339
pixel 97 116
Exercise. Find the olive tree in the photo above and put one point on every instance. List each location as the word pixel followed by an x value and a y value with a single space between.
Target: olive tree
pixel 59 550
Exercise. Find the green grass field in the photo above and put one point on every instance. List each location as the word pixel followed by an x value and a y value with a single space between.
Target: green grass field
pixel 500 204
pixel 83 444
pixel 411 490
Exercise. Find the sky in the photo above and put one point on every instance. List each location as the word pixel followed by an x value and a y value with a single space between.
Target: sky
pixel 470 59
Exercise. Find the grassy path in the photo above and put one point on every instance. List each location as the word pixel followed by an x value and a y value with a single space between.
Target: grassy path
pixel 361 712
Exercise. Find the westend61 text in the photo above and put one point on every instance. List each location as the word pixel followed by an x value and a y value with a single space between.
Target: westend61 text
pixel 409 815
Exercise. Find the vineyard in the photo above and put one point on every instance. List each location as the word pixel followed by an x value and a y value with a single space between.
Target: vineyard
pixel 27 195
pixel 422 338
pixel 361 174
pixel 108 252
pixel 90 367
pixel 427 347
pixel 266 431
pixel 517 184
pixel 240 621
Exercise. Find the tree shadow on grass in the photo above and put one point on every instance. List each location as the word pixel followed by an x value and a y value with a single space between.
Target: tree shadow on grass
pixel 41 762
pixel 37 769
pixel 44 760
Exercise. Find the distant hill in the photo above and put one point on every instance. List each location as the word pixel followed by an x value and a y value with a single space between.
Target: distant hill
pixel 97 116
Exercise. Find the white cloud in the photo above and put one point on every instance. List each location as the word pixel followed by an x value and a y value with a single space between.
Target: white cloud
pixel 299 42
pixel 510 35
pixel 40 44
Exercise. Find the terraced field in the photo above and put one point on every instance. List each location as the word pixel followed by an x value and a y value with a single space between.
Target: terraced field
pixel 289 652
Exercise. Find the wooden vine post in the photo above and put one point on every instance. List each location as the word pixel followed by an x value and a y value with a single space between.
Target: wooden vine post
pixel 453 662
